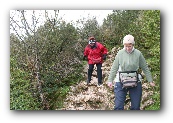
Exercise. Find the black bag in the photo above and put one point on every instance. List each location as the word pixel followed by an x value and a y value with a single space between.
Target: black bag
pixel 128 81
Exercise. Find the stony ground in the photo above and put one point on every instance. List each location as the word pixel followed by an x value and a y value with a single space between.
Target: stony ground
pixel 94 97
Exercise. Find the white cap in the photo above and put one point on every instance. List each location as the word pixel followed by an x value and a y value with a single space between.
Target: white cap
pixel 128 39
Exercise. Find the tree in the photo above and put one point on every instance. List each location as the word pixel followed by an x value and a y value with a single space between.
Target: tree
pixel 30 40
pixel 117 25
pixel 51 54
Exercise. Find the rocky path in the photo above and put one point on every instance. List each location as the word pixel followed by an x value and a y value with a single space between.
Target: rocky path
pixel 94 97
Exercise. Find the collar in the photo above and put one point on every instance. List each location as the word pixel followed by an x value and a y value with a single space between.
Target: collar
pixel 131 51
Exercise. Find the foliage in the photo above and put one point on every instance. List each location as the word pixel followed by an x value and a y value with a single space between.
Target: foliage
pixel 51 56
pixel 21 97
pixel 151 34
pixel 117 25
pixel 89 27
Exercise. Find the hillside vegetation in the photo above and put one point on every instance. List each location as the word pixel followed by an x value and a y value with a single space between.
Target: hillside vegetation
pixel 46 66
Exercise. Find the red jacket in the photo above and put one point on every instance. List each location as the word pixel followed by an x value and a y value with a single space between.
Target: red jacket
pixel 95 53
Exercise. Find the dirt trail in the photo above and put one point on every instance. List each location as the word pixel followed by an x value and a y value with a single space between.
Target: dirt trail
pixel 94 97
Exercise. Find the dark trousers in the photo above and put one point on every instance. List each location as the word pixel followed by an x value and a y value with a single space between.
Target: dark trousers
pixel 99 72
pixel 134 94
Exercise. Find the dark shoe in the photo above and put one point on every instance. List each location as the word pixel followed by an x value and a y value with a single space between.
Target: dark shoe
pixel 100 83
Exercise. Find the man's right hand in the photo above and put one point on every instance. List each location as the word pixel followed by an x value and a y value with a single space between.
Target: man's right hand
pixel 85 58
pixel 110 84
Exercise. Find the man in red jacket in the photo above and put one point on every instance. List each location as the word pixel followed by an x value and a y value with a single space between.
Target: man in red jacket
pixel 95 53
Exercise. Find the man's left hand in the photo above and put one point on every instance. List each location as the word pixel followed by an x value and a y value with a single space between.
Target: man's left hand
pixel 104 56
pixel 152 84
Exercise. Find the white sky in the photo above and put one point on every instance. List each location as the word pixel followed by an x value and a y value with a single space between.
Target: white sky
pixel 74 15
pixel 66 15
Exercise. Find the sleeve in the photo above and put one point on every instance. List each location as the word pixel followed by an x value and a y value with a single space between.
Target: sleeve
pixel 103 49
pixel 114 69
pixel 143 65
pixel 86 51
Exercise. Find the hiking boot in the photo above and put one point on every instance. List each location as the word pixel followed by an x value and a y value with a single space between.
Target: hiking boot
pixel 100 83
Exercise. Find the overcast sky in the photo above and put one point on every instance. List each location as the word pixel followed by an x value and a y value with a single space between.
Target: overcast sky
pixel 74 15
pixel 66 15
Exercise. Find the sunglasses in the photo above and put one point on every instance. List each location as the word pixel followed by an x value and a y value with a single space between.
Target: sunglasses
pixel 92 41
